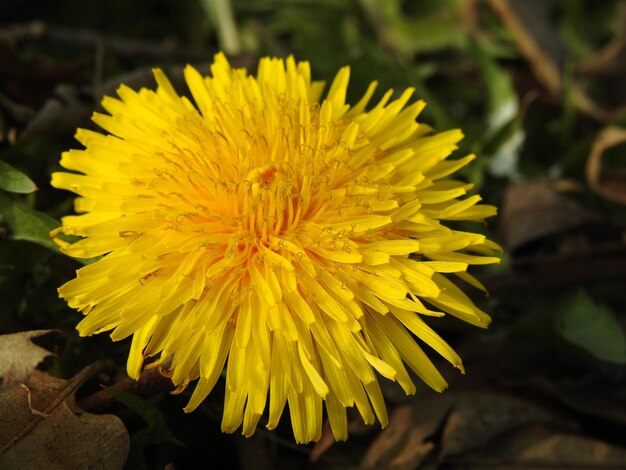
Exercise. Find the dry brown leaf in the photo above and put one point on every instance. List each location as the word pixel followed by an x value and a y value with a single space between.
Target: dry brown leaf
pixel 10 412
pixel 391 438
pixel 62 439
pixel 590 398
pixel 413 453
pixel 609 185
pixel 44 389
pixel 404 443
pixel 41 426
pixel 478 418
pixel 540 447
pixel 324 444
pixel 19 355
pixel 536 209
pixel 356 427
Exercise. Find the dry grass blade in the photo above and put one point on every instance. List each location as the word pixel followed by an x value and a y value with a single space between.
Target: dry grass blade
pixel 609 185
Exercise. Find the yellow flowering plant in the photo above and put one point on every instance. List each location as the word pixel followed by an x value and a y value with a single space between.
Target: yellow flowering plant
pixel 296 240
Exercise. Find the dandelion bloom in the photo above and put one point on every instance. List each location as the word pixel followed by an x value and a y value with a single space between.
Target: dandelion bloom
pixel 294 239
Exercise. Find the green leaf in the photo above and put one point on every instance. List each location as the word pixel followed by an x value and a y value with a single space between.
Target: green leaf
pixel 504 135
pixel 27 224
pixel 433 30
pixel 503 147
pixel 14 181
pixel 591 327
pixel 502 102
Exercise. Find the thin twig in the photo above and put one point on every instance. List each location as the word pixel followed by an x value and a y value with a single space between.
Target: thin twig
pixel 88 39
pixel 151 382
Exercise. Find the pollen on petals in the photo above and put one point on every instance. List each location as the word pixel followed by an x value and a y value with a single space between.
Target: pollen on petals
pixel 295 240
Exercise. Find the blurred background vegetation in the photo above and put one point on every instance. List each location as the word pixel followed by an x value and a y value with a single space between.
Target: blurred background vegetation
pixel 537 87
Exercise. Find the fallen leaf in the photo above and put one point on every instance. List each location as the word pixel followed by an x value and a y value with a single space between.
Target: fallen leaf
pixel 19 355
pixel 10 412
pixel 538 446
pixel 592 399
pixel 324 444
pixel 404 443
pixel 389 439
pixel 536 209
pixel 527 366
pixel 611 185
pixel 41 426
pixel 478 418
pixel 63 439
pixel 44 389
pixel 413 453
pixel 356 427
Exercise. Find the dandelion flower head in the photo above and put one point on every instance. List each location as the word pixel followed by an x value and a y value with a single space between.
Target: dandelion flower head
pixel 294 240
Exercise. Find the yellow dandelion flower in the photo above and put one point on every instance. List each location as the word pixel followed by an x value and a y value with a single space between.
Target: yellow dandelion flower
pixel 296 240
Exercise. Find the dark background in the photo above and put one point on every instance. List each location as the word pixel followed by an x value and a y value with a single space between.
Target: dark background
pixel 538 89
